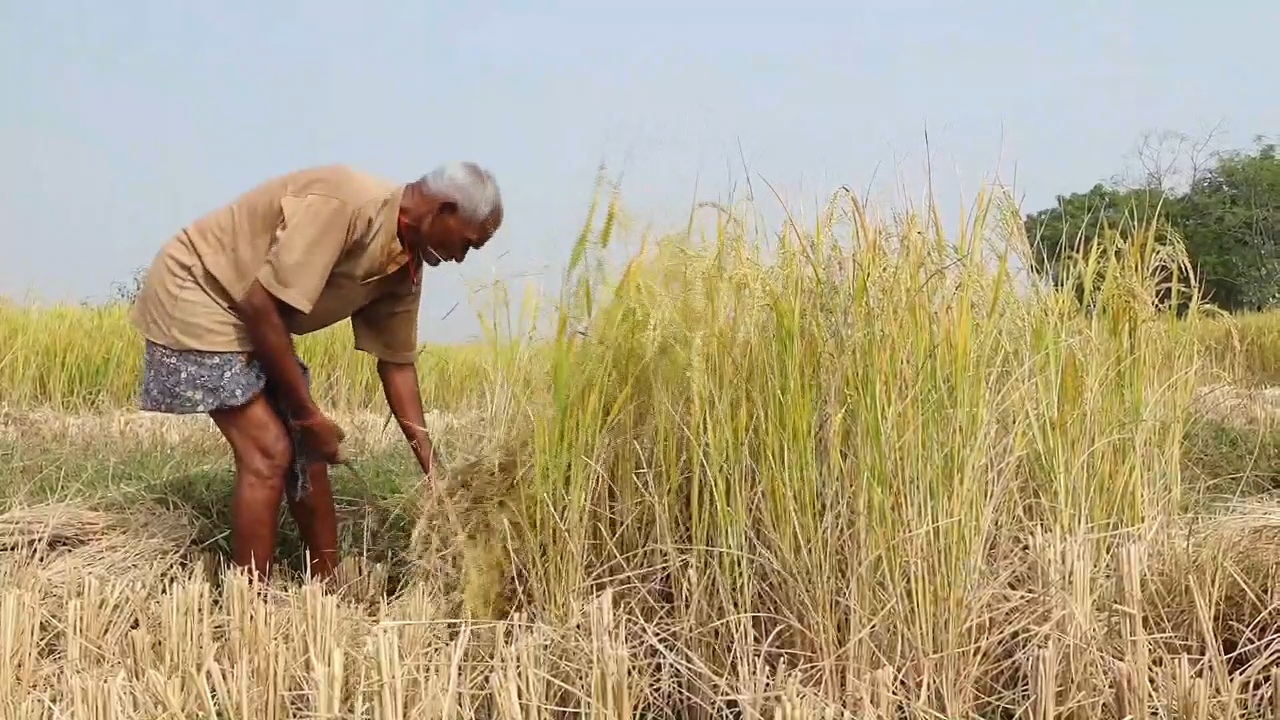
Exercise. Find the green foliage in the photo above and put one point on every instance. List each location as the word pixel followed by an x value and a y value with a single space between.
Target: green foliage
pixel 1070 228
pixel 1228 218
pixel 1231 219
pixel 1087 227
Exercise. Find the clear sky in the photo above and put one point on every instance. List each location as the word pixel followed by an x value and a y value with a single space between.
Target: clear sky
pixel 122 121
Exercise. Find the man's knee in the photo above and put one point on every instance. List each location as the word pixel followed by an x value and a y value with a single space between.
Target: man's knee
pixel 262 448
pixel 267 457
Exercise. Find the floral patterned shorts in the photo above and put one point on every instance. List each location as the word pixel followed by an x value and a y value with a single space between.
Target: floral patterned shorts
pixel 184 382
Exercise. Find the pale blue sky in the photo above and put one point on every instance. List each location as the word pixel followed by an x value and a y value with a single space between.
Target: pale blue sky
pixel 122 121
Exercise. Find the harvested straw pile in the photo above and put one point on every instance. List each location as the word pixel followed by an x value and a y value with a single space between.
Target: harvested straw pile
pixel 1248 407
pixel 68 526
pixel 52 526
pixel 68 541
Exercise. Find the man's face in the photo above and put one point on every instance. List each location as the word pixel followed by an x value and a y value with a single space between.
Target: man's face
pixel 446 236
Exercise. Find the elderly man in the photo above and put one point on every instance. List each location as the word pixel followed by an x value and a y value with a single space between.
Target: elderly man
pixel 296 254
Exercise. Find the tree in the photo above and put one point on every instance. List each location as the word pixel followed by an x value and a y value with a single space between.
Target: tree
pixel 1070 228
pixel 1169 162
pixel 1224 205
pixel 1230 218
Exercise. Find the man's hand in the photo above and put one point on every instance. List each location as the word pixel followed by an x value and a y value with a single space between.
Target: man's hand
pixel 273 347
pixel 322 436
pixel 400 386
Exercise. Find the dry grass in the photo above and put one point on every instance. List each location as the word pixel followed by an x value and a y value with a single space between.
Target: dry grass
pixel 1240 406
pixel 855 476
pixel 1181 625
pixel 173 645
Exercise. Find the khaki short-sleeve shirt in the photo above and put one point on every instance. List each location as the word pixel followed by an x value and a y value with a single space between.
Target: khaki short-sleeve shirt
pixel 322 240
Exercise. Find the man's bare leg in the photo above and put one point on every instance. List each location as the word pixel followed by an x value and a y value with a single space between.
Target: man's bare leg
pixel 317 522
pixel 262 453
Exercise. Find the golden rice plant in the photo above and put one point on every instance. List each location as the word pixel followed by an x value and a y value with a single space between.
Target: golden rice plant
pixel 856 469
pixel 87 358
pixel 830 453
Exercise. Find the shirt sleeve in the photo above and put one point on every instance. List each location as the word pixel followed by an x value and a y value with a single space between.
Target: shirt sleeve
pixel 307 244
pixel 387 328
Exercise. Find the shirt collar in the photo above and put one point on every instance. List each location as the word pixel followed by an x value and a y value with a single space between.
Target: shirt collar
pixel 387 240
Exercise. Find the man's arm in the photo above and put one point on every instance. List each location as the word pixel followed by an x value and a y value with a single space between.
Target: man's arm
pixel 273 347
pixel 404 398
pixel 312 234
pixel 387 328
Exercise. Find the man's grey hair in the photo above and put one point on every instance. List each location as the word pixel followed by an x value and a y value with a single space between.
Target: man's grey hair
pixel 467 184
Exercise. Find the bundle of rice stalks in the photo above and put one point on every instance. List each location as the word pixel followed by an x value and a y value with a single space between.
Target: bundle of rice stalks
pixel 462 540
pixel 54 525
pixel 66 541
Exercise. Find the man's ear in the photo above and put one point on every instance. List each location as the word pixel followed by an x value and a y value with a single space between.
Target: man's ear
pixel 448 207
